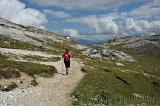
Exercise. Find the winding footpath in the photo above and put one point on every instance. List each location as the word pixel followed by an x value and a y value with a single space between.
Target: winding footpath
pixel 53 91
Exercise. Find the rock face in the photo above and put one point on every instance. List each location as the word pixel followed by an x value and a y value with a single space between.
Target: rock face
pixel 26 34
pixel 33 36
pixel 113 54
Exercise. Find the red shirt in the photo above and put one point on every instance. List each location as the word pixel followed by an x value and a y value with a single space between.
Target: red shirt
pixel 67 56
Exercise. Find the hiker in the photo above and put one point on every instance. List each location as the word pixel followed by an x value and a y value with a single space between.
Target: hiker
pixel 67 56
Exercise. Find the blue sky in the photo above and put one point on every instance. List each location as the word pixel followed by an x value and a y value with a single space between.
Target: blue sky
pixel 86 19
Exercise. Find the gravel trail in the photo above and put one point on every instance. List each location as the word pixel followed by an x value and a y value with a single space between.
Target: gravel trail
pixel 53 91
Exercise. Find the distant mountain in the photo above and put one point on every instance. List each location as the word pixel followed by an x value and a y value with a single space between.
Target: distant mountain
pixel 133 42
pixel 144 44
pixel 89 42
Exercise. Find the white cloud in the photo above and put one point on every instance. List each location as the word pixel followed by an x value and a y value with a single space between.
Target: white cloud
pixel 140 27
pixel 83 4
pixel 30 17
pixel 110 26
pixel 15 11
pixel 98 25
pixel 143 20
pixel 57 14
pixel 150 9
pixel 76 34
pixel 48 11
pixel 70 32
pixel 136 22
pixel 130 24
pixel 155 26
pixel 61 14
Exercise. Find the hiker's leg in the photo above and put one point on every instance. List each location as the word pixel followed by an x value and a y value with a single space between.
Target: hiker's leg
pixel 66 71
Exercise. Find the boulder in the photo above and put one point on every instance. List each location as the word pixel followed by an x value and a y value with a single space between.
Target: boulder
pixel 93 51
pixel 93 56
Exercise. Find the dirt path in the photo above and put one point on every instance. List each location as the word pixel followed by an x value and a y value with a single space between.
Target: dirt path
pixel 58 89
pixel 53 91
pixel 18 52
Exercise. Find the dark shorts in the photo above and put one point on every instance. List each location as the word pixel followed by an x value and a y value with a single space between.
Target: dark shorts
pixel 67 63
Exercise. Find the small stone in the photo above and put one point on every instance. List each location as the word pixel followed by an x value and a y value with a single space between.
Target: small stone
pixel 3 101
pixel 119 64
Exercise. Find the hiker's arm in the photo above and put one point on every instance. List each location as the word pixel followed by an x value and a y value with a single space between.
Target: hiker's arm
pixel 63 56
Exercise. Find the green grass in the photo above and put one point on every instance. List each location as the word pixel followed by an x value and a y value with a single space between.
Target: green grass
pixel 105 83
pixel 148 58
pixel 32 69
pixel 9 73
pixel 10 69
pixel 6 42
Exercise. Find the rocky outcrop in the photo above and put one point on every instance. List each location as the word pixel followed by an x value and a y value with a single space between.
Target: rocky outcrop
pixel 113 54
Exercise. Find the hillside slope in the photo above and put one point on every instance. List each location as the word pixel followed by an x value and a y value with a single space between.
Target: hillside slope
pixel 145 45
pixel 112 80
pixel 16 36
pixel 32 57
pixel 23 48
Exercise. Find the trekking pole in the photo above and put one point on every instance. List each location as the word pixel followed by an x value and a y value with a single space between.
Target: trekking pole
pixel 61 64
pixel 73 62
